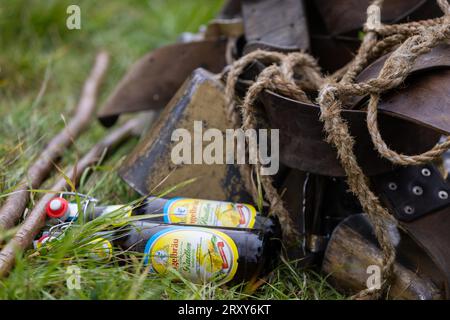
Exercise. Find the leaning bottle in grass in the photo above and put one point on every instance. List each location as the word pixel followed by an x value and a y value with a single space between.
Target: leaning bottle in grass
pixel 201 240
pixel 204 213
pixel 171 211
pixel 200 254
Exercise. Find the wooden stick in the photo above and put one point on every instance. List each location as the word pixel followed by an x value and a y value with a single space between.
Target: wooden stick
pixel 16 203
pixel 36 219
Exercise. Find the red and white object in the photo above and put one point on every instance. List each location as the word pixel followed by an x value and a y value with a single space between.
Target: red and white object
pixel 60 208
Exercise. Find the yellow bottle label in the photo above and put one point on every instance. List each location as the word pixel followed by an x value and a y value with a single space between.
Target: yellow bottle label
pixel 102 249
pixel 199 255
pixel 211 213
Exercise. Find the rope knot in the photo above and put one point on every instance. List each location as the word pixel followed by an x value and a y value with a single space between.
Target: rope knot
pixel 327 94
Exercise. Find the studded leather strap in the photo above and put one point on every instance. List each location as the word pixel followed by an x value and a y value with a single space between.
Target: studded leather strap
pixel 419 198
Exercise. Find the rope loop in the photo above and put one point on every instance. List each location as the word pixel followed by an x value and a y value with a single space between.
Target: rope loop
pixel 295 73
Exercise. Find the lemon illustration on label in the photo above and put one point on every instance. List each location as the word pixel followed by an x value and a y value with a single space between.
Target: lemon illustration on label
pixel 212 213
pixel 200 255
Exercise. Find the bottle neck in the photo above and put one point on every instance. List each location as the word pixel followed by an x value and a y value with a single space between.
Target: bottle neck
pixel 151 205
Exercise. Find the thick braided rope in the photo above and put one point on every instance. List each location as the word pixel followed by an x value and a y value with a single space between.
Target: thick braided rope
pixel 278 76
pixel 338 134
pixel 414 27
pixel 281 79
pixel 393 73
pixel 233 115
pixel 413 39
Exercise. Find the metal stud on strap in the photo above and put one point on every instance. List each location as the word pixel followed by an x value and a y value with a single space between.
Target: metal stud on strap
pixel 412 192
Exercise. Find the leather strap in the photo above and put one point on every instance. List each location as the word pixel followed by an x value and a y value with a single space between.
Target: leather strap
pixel 427 222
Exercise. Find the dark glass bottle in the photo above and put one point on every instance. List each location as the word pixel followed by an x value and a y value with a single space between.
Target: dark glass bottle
pixel 61 210
pixel 205 212
pixel 201 254
pixel 174 211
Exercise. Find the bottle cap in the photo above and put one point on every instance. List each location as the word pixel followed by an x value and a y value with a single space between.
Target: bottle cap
pixel 57 207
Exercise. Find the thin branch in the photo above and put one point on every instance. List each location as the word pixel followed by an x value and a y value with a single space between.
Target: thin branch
pixel 36 219
pixel 16 203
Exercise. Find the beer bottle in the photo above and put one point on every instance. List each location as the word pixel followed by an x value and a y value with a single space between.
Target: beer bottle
pixel 174 211
pixel 201 254
pixel 205 212
pixel 62 210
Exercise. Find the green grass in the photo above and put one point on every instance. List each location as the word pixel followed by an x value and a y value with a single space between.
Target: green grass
pixel 36 48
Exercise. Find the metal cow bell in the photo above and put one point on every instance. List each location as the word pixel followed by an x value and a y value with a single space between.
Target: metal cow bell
pixel 153 80
pixel 275 25
pixel 198 105
pixel 416 110
pixel 334 25
pixel 353 258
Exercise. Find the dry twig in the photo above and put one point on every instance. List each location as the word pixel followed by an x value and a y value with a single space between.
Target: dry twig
pixel 36 219
pixel 16 203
